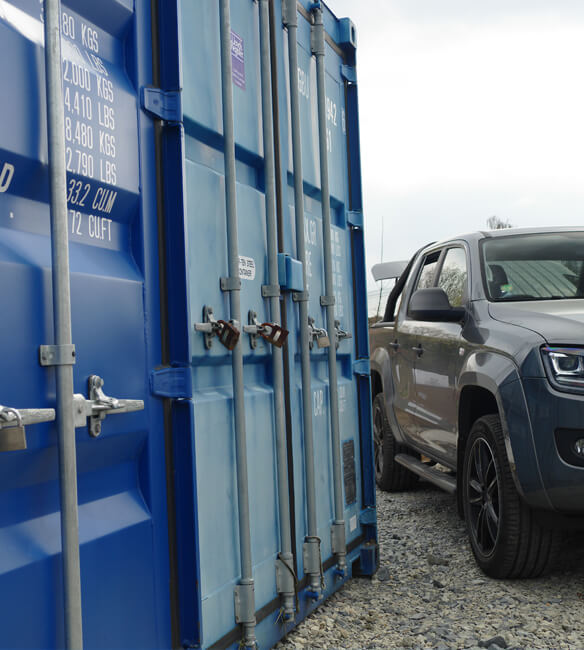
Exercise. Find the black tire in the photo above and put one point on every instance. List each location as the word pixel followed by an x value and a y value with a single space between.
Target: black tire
pixel 389 475
pixel 506 540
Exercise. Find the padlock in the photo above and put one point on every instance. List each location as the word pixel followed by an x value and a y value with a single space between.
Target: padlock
pixel 228 334
pixel 12 433
pixel 323 341
pixel 273 334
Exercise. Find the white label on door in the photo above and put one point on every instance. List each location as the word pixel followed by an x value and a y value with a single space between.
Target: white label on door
pixel 352 523
pixel 247 268
pixel 318 402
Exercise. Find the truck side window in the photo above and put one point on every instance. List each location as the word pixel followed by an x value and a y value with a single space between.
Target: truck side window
pixel 428 270
pixel 394 299
pixel 396 295
pixel 453 276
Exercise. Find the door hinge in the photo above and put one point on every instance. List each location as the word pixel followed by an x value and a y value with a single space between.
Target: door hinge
pixel 164 104
pixel 347 35
pixel 349 73
pixel 368 517
pixel 362 367
pixel 173 382
pixel 355 219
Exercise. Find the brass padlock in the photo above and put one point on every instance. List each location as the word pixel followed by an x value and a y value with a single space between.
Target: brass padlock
pixel 323 341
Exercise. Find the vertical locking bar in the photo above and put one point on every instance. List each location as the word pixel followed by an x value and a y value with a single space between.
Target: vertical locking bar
pixel 338 528
pixel 62 324
pixel 244 596
pixel 286 588
pixel 291 19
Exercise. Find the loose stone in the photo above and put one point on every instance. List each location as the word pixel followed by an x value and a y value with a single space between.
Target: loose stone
pixel 430 594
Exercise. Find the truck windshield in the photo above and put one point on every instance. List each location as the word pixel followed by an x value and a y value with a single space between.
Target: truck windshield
pixel 542 266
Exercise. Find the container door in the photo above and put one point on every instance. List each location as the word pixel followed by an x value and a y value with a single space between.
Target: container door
pixel 206 251
pixel 114 293
pixel 205 448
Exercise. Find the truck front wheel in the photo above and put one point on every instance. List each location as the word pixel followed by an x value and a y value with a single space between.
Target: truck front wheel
pixel 505 537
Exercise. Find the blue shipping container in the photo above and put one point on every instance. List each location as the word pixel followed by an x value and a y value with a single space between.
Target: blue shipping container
pixel 230 488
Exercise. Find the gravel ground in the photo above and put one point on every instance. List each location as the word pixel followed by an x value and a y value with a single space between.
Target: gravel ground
pixel 429 593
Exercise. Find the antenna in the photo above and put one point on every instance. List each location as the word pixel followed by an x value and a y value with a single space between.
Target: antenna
pixel 380 261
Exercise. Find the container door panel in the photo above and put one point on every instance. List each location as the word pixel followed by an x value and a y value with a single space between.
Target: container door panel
pixel 206 455
pixel 122 510
pixel 211 368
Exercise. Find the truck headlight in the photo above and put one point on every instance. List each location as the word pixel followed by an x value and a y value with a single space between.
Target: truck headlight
pixel 565 366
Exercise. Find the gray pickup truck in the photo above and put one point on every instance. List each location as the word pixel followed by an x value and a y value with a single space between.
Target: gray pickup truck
pixel 477 370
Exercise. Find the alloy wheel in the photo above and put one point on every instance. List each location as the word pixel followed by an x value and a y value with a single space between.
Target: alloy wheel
pixel 482 492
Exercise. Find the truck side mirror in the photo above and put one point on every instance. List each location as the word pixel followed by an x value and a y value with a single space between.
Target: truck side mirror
pixel 433 305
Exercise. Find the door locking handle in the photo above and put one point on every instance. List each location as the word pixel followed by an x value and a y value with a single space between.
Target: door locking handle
pixel 91 412
pixel 13 423
pixel 419 350
pixel 226 331
pixel 317 333
pixel 394 345
pixel 271 332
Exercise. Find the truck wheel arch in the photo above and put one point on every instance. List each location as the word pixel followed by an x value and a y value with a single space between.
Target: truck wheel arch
pixel 501 387
pixel 376 384
pixel 474 402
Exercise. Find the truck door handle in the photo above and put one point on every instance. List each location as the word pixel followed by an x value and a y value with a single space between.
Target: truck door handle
pixel 419 350
pixel 394 345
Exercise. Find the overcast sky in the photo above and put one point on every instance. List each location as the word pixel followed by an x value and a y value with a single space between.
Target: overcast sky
pixel 468 109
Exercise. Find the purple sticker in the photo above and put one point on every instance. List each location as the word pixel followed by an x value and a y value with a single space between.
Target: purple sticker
pixel 237 61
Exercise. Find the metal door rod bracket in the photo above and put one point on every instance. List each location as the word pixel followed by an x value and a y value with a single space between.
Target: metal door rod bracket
pixel 300 296
pixel 270 290
pixel 317 31
pixel 57 355
pixel 99 406
pixel 289 16
pixel 313 566
pixel 227 332
pixel 230 284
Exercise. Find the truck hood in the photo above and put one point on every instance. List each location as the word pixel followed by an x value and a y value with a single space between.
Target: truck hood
pixel 557 321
